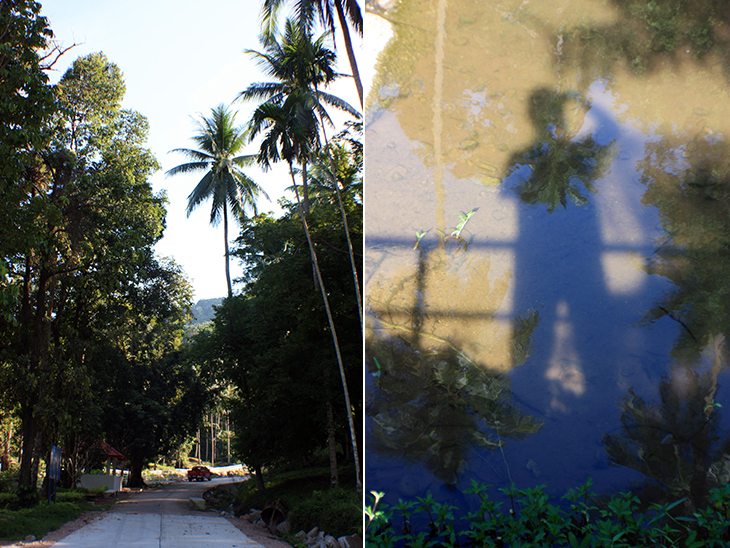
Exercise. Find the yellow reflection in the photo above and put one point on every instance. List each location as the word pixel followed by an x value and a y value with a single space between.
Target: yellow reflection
pixel 622 271
pixel 564 365
pixel 450 299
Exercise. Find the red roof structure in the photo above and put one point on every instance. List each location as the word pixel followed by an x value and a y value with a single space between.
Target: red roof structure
pixel 109 451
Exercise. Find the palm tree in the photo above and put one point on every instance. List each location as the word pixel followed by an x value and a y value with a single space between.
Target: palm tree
pixel 289 135
pixel 307 11
pixel 219 142
pixel 301 66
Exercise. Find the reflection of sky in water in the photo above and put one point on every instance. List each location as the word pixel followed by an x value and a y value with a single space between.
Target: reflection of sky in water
pixel 582 268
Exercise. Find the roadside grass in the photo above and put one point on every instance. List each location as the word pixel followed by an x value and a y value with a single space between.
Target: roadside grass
pixel 310 499
pixel 17 523
pixel 42 518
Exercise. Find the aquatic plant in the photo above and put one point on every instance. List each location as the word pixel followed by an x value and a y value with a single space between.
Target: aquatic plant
pixel 419 237
pixel 456 233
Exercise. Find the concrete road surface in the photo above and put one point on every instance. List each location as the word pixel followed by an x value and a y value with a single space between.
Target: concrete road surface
pixel 160 518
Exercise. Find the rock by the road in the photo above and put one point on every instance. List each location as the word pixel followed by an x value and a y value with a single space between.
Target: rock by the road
pixel 197 503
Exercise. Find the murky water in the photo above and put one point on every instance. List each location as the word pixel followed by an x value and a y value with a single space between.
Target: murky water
pixel 548 248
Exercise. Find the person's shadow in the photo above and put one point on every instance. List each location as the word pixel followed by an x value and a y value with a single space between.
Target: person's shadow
pixel 559 252
pixel 556 167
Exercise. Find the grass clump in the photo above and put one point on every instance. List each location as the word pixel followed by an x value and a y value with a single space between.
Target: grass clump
pixel 531 520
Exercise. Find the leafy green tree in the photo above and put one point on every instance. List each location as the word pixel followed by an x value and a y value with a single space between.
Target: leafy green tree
pixel 309 11
pixel 26 104
pixel 301 67
pixel 155 398
pixel 225 183
pixel 26 99
pixel 72 258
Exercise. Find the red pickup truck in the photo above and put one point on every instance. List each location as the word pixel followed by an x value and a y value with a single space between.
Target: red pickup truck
pixel 199 473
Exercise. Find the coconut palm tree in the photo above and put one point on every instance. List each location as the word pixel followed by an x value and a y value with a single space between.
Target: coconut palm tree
pixel 224 183
pixel 309 11
pixel 289 134
pixel 301 66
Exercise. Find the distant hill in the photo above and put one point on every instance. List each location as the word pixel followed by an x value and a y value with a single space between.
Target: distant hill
pixel 203 310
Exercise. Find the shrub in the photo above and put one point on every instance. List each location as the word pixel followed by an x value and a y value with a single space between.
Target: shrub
pixel 333 511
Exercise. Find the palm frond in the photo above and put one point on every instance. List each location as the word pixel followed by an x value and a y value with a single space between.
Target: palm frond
pixel 353 13
pixel 267 91
pixel 197 155
pixel 244 161
pixel 187 168
pixel 200 193
pixel 338 103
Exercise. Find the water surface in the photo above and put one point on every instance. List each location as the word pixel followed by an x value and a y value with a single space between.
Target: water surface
pixel 548 249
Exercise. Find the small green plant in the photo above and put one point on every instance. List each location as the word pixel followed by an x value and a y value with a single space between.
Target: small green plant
pixel 456 233
pixel 310 499
pixel 711 406
pixel 419 237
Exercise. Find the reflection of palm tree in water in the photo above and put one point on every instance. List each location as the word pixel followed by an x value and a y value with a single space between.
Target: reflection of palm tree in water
pixel 434 404
pixel 559 167
pixel 672 443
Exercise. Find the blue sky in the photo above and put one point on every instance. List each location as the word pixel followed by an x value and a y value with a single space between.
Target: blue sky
pixel 179 59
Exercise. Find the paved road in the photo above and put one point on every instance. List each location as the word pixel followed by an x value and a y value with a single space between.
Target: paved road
pixel 160 518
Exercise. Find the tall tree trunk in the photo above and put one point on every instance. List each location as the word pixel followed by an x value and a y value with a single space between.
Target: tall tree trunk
pixel 305 189
pixel 332 174
pixel 228 434
pixel 228 267
pixel 7 439
pixel 331 442
pixel 136 465
pixel 350 52
pixel 37 355
pixel 28 428
pixel 333 331
pixel 334 478
pixel 212 439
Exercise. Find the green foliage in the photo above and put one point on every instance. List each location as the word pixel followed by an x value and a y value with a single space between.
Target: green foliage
pixel 272 344
pixel 538 523
pixel 71 496
pixel 26 101
pixel 204 311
